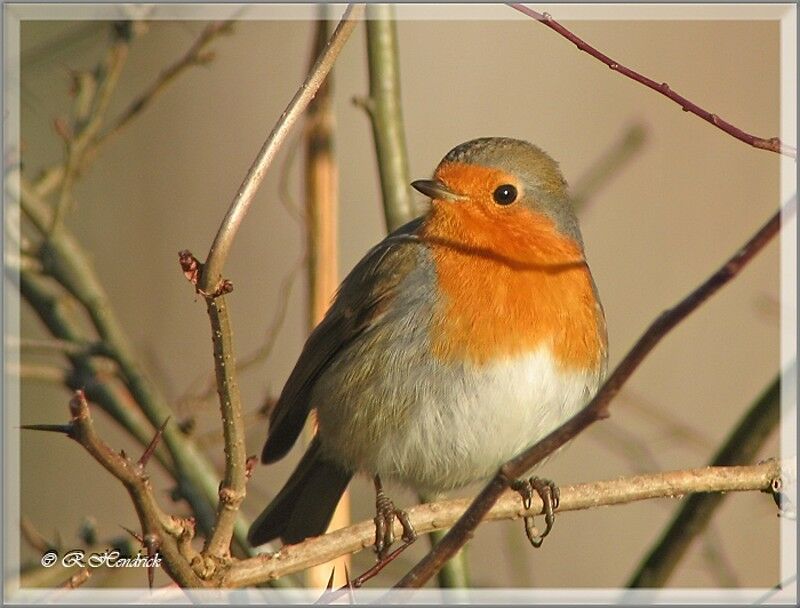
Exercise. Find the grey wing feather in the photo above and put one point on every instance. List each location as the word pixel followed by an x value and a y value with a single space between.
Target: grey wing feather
pixel 359 303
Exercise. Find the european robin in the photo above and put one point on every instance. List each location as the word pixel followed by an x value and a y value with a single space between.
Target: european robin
pixel 458 341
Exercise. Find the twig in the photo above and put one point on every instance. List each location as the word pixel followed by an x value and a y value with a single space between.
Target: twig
pixel 691 520
pixel 359 581
pixel 435 516
pixel 52 177
pixel 39 372
pixel 597 409
pixel 773 144
pixel 32 536
pixel 385 112
pixel 215 261
pixel 86 130
pixel 233 488
pixel 54 345
pixel 194 56
pixel 55 310
pixel 65 260
pixel 156 524
pixel 77 579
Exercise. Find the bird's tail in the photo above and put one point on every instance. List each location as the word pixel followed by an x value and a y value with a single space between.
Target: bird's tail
pixel 305 505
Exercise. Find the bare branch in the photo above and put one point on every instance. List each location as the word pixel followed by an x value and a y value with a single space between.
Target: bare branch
pixel 155 523
pixel 195 55
pixel 773 144
pixel 435 516
pixel 597 409
pixel 244 197
pixel 86 130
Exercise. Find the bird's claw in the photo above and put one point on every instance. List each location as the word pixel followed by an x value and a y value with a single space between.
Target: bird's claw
pixel 384 524
pixel 550 495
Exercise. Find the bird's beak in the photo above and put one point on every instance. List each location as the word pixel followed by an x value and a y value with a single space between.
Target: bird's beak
pixel 435 190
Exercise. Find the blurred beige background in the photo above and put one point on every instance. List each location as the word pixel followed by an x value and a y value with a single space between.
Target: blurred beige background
pixel 683 204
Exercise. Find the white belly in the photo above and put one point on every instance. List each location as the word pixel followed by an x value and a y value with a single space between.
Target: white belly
pixel 459 425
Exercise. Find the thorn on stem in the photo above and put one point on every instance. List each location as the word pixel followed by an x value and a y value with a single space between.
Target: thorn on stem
pixel 151 448
pixel 65 429
pixel 132 533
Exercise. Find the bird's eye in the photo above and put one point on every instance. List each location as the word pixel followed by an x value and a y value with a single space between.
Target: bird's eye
pixel 505 194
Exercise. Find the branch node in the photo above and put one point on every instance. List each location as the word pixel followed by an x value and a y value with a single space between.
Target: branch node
pixel 193 269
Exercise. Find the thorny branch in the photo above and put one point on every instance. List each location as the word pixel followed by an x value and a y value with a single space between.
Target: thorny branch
pixel 215 261
pixel 773 144
pixel 171 535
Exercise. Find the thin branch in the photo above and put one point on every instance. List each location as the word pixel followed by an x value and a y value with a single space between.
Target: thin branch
pixel 773 144
pixel 691 520
pixel 232 490
pixel 439 515
pixel 164 529
pixel 212 270
pixel 53 177
pixel 55 308
pixel 66 261
pixel 385 113
pixel 77 579
pixel 86 130
pixel 194 56
pixel 39 372
pixel 597 409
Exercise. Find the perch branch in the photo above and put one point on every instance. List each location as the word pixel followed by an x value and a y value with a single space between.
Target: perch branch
pixel 435 516
pixel 597 409
pixel 773 144
pixel 212 270
pixel 691 520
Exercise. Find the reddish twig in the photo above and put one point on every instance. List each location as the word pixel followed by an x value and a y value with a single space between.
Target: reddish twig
pixel 773 144
pixel 359 581
pixel 597 409
pixel 151 447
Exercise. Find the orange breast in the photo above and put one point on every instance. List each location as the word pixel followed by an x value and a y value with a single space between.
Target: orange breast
pixel 511 283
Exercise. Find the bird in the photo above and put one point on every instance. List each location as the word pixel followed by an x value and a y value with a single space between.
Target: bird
pixel 459 340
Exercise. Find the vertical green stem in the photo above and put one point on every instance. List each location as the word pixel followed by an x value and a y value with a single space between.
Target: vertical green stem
pixel 386 114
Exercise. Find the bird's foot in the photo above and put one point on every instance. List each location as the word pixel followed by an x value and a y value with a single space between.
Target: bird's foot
pixel 549 493
pixel 384 522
